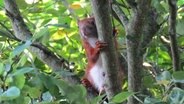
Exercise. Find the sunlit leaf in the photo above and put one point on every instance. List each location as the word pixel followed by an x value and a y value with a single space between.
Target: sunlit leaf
pixel 45 21
pixel 1 68
pixel 41 33
pixel 180 2
pixel 1 3
pixel 22 61
pixel 19 81
pixel 75 6
pixel 31 1
pixel 164 55
pixel 181 10
pixel 59 34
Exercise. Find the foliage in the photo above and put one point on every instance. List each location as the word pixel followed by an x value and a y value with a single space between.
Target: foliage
pixel 24 79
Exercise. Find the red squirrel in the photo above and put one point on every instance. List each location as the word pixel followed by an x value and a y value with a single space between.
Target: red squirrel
pixel 95 74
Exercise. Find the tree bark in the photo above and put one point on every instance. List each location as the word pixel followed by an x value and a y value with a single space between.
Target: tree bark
pixel 22 33
pixel 140 30
pixel 101 12
pixel 135 34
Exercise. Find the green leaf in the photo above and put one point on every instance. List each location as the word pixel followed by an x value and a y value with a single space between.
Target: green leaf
pixel 164 78
pixel 149 100
pixel 7 67
pixel 159 6
pixel 34 92
pixel 176 96
pixel 1 91
pixel 1 3
pixel 65 73
pixel 180 2
pixel 22 71
pixel 163 54
pixel 97 99
pixel 119 98
pixel 179 27
pixel 180 40
pixel 48 82
pixel 47 96
pixel 22 61
pixel 39 34
pixel 148 81
pixel 21 4
pixel 36 82
pixel 46 21
pixel 74 93
pixel 178 76
pixel 21 48
pixel 11 93
pixel 19 81
pixel 1 68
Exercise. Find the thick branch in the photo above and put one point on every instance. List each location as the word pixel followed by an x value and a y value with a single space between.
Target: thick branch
pixel 101 12
pixel 23 33
pixel 172 34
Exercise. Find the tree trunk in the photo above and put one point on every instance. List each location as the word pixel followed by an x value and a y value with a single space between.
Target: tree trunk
pixel 101 12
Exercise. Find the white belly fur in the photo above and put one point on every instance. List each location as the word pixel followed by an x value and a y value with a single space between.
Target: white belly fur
pixel 97 75
pixel 97 72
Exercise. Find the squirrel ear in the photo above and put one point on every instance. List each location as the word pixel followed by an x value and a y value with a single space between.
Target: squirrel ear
pixel 78 22
pixel 92 20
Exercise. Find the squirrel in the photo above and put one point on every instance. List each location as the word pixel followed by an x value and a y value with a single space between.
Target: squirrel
pixel 95 73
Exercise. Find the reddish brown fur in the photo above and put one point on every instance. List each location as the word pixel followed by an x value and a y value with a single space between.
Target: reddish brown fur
pixel 88 30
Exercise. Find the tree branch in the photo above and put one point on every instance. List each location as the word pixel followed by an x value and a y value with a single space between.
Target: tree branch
pixel 23 33
pixel 172 34
pixel 121 15
pixel 132 4
pixel 101 12
pixel 150 29
pixel 134 36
